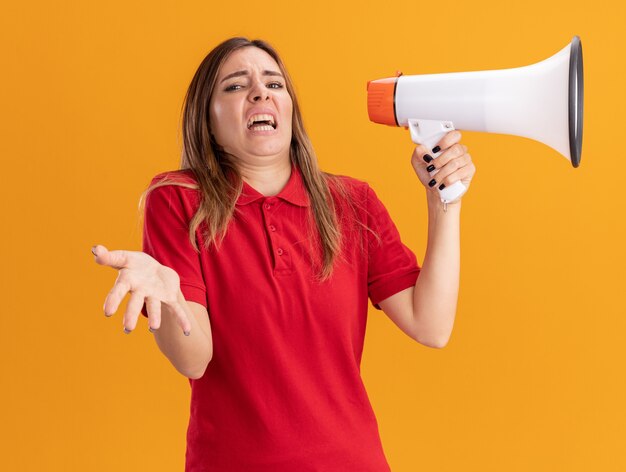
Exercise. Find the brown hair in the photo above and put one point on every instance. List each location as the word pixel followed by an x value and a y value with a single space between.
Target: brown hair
pixel 214 169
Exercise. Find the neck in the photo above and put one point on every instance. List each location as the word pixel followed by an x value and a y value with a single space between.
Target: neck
pixel 268 178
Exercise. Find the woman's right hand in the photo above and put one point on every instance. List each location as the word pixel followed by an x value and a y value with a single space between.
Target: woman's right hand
pixel 147 281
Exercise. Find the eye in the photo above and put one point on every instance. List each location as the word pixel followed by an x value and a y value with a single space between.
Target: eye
pixel 275 85
pixel 232 88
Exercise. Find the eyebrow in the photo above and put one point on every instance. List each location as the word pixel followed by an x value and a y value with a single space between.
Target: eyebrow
pixel 240 73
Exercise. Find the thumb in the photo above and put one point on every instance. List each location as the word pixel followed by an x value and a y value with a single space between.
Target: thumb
pixel 116 259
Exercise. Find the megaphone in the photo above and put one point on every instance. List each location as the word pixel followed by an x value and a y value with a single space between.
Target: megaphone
pixel 542 101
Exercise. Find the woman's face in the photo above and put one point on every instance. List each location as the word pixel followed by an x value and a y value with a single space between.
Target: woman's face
pixel 251 110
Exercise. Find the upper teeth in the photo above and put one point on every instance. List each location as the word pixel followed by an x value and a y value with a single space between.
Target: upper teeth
pixel 254 118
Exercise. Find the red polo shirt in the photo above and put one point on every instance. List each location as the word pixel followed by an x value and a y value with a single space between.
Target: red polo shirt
pixel 283 391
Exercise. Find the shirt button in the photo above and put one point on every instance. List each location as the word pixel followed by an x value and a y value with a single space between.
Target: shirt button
pixel 280 251
pixel 272 228
pixel 267 206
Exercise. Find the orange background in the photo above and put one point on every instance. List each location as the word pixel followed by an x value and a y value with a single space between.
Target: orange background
pixel 532 378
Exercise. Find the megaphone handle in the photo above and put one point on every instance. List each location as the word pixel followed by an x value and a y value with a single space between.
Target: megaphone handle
pixel 429 133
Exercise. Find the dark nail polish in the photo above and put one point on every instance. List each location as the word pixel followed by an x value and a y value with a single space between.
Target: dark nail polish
pixel 93 250
pixel 432 182
pixel 428 158
pixel 430 168
pixel 151 329
pixel 442 186
pixel 127 331
pixel 186 333
pixel 436 149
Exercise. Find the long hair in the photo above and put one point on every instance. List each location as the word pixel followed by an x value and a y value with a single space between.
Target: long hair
pixel 219 180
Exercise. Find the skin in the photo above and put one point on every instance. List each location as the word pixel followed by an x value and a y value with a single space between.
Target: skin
pixel 263 159
pixel 453 163
pixel 425 312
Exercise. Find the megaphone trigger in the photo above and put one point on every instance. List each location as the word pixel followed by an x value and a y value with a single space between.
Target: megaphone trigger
pixel 429 132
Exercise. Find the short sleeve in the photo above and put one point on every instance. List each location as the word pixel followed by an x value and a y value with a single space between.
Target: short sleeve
pixel 168 211
pixel 392 266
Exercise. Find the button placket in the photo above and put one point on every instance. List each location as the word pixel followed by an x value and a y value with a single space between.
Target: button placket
pixel 281 256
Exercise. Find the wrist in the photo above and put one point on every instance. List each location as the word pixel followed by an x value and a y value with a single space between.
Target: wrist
pixel 435 204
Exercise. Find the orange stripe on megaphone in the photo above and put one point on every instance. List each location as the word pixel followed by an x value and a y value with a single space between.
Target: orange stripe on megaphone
pixel 380 101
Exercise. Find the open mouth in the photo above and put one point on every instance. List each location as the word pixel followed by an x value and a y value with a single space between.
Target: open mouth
pixel 261 123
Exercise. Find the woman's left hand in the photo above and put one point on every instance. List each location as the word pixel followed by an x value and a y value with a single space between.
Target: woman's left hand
pixel 453 164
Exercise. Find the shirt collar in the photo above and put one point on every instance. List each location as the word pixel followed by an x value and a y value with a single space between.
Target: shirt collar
pixel 294 192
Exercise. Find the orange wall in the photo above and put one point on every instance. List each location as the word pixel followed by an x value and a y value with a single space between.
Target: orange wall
pixel 532 378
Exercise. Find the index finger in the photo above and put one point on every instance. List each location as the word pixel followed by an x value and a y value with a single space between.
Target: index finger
pixel 420 151
pixel 450 138
pixel 116 259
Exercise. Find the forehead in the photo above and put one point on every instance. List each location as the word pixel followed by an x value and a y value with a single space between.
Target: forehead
pixel 248 58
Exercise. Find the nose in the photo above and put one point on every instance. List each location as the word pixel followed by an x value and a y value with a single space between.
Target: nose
pixel 259 93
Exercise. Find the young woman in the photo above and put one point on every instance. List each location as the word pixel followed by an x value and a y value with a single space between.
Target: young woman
pixel 257 268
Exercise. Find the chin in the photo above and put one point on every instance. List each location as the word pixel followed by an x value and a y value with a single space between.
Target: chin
pixel 268 149
pixel 267 152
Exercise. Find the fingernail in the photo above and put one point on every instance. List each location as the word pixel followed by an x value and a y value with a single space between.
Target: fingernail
pixel 427 158
pixel 430 168
pixel 108 315
pixel 127 331
pixel 186 333
pixel 436 149
pixel 432 182
pixel 442 186
pixel 151 329
pixel 93 250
